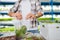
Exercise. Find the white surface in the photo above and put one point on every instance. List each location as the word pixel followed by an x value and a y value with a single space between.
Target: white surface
pixel 50 32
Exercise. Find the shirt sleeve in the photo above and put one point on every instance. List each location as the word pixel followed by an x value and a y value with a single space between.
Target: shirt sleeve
pixel 33 6
pixel 38 6
pixel 15 7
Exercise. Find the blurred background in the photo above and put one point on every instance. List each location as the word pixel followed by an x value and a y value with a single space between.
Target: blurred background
pixel 51 9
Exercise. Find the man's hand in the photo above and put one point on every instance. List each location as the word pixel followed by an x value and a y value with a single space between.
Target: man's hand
pixel 30 16
pixel 18 15
pixel 39 14
pixel 11 14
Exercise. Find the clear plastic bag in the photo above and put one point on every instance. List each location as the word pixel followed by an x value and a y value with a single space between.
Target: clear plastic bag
pixel 21 27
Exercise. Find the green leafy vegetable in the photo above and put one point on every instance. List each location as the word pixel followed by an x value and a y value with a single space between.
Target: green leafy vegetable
pixel 21 32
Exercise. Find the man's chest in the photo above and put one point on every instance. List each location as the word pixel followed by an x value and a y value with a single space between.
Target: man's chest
pixel 25 6
pixel 27 3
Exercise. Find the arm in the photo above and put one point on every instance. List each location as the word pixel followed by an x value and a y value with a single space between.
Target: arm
pixel 36 8
pixel 14 9
pixel 39 9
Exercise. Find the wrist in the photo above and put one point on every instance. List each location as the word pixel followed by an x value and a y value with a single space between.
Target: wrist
pixel 10 14
pixel 39 14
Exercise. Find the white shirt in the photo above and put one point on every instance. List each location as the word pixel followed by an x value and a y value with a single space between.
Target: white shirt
pixel 34 5
pixel 27 6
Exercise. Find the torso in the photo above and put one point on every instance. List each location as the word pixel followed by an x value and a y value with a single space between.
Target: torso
pixel 25 7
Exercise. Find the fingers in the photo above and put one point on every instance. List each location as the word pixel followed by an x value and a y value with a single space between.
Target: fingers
pixel 18 16
pixel 33 16
pixel 30 16
pixel 11 14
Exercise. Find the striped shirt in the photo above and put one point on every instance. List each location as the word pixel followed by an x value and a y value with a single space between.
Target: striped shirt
pixel 35 6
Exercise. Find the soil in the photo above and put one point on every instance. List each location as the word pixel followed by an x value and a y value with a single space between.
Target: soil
pixel 8 38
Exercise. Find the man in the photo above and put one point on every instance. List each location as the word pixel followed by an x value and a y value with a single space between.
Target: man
pixel 26 9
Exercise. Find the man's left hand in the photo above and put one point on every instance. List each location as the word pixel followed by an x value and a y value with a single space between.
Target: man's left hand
pixel 39 14
pixel 30 16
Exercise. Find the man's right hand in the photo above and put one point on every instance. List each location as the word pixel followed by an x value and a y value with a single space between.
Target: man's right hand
pixel 18 15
